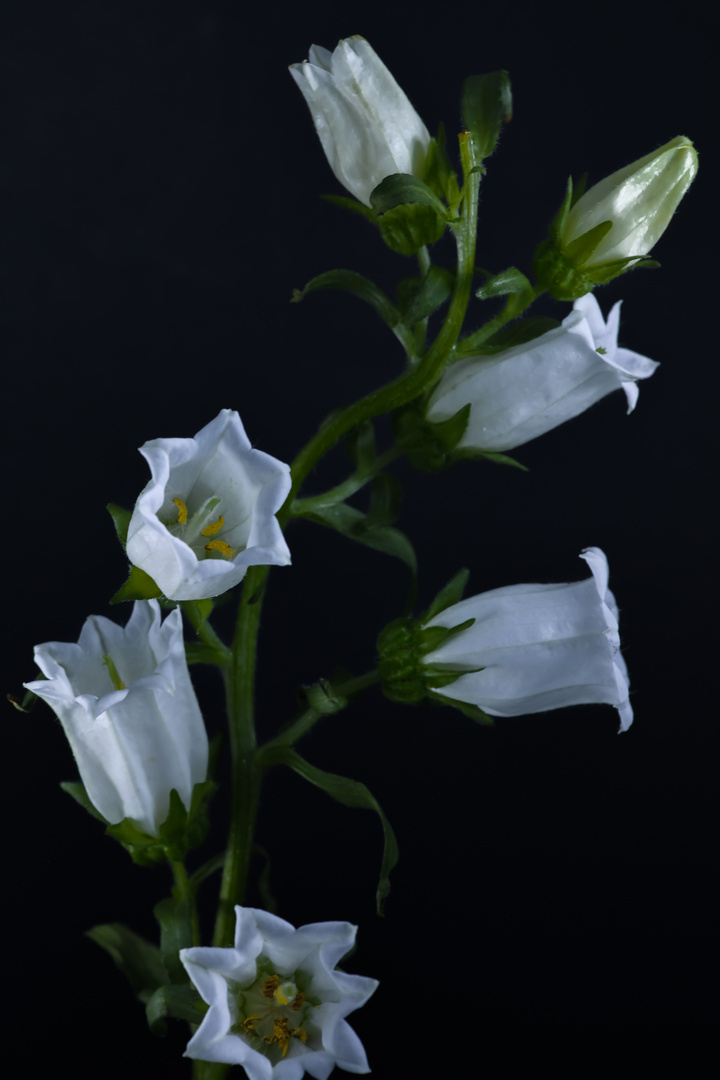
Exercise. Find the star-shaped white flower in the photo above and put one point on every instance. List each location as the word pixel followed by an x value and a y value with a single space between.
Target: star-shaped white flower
pixel 277 1000
pixel 208 513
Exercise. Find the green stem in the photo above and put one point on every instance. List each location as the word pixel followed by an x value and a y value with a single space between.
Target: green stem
pixel 184 888
pixel 411 383
pixel 348 487
pixel 514 306
pixel 310 717
pixel 240 695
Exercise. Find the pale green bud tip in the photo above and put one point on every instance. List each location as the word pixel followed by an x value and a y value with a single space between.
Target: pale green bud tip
pixel 639 200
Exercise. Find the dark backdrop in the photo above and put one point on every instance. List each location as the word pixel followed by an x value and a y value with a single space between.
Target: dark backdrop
pixel 160 174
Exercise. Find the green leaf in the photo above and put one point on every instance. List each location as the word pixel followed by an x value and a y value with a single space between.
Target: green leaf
pixel 486 106
pixel 76 790
pixel 354 524
pixel 450 594
pixel 405 229
pixel 511 280
pixel 385 499
pixel 139 960
pixel 173 914
pixel 121 521
pixel 400 189
pixel 360 444
pixel 433 290
pixel 139 586
pixel 197 652
pixel 349 793
pixel 362 287
pixel 179 1002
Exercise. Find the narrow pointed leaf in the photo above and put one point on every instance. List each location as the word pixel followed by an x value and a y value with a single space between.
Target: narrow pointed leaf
pixel 362 287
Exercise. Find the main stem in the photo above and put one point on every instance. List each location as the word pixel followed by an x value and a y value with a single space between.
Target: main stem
pixel 240 695
pixel 411 383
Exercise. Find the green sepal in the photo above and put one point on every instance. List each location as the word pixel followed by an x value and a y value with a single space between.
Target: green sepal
pixel 76 790
pixel 139 960
pixel 557 224
pixel 420 298
pixel 580 250
pixel 465 708
pixel 405 229
pixel 439 174
pixel 428 446
pixel 121 520
pixel 486 106
pixel 355 525
pixel 349 793
pixel 499 459
pixel 450 594
pixel 400 189
pixel 507 281
pixel 352 205
pixel 198 652
pixel 179 1002
pixel 27 702
pixel 181 831
pixel 174 917
pixel 139 586
pixel 362 287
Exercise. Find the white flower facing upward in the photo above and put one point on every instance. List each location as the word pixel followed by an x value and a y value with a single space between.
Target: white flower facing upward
pixel 529 389
pixel 208 513
pixel 124 698
pixel 277 1001
pixel 367 126
pixel 540 647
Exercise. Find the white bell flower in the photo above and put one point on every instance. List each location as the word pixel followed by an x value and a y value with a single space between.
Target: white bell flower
pixel 124 698
pixel 529 389
pixel 277 1000
pixel 367 126
pixel 540 647
pixel 208 513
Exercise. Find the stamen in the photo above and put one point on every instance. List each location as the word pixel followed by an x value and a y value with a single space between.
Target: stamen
pixel 214 527
pixel 248 1024
pixel 298 1002
pixel 219 545
pixel 182 511
pixel 272 983
pixel 113 673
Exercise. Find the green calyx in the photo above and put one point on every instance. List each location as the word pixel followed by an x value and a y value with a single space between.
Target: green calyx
pixel 181 831
pixel 428 447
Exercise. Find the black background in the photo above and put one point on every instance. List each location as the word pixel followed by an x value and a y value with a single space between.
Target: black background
pixel 556 895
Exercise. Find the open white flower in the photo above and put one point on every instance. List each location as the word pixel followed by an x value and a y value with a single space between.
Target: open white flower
pixel 529 389
pixel 277 1000
pixel 540 647
pixel 124 698
pixel 208 513
pixel 367 126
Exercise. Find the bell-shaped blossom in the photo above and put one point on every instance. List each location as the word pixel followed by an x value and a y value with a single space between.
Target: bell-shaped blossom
pixel 529 389
pixel 639 200
pixel 538 647
pixel 277 1000
pixel 208 513
pixel 124 698
pixel 367 126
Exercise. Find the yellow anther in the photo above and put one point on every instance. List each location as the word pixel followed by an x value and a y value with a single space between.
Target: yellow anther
pixel 182 511
pixel 248 1023
pixel 219 545
pixel 273 982
pixel 301 1034
pixel 298 1002
pixel 216 526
